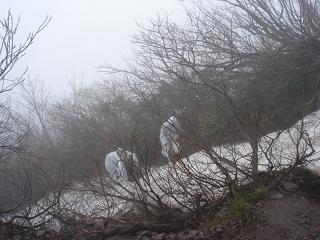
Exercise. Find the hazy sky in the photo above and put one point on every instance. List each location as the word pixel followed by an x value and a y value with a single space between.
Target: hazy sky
pixel 82 35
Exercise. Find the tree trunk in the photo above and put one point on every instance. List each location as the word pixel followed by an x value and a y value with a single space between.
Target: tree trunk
pixel 254 157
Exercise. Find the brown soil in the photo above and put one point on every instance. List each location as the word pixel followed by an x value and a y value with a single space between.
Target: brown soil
pixel 293 217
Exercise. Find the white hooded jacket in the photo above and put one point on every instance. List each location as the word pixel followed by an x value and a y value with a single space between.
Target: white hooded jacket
pixel 115 163
pixel 169 134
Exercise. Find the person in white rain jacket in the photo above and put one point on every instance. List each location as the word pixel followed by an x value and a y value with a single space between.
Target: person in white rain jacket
pixel 169 134
pixel 119 162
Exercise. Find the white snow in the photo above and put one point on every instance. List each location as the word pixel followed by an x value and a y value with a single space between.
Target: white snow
pixel 166 181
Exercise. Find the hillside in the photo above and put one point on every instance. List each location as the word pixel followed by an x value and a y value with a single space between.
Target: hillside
pixel 293 216
pixel 208 128
pixel 81 199
pixel 290 214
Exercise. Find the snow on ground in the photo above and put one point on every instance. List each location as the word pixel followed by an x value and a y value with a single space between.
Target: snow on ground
pixel 166 181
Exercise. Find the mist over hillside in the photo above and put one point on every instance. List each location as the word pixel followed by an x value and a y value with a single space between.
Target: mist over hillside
pixel 210 118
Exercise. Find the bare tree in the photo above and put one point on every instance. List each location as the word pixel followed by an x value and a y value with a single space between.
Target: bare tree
pixel 220 55
pixel 11 50
pixel 12 133
pixel 227 49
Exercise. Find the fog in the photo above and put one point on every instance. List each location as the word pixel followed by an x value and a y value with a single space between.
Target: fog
pixel 213 120
pixel 81 36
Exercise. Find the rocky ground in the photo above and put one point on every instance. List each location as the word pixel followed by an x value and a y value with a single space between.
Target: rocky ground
pixel 290 216
pixel 284 216
pixel 289 212
pixel 281 216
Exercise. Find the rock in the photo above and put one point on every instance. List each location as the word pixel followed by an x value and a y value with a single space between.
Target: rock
pixel 202 235
pixel 276 195
pixel 171 236
pixel 219 230
pixel 289 186
pixel 160 236
pixel 40 233
pixel 192 234
pixel 145 235
pixel 189 235
pixel 181 234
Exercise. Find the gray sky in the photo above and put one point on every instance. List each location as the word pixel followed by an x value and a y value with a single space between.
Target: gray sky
pixel 82 35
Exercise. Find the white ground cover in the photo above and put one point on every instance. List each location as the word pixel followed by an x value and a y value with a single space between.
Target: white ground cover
pixel 165 182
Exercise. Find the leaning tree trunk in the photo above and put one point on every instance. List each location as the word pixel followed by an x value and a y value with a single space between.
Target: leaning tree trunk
pixel 254 157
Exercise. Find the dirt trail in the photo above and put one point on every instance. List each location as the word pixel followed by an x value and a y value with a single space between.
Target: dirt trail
pixel 292 217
